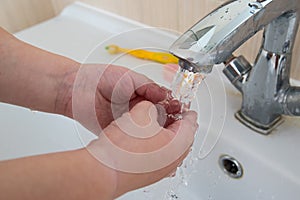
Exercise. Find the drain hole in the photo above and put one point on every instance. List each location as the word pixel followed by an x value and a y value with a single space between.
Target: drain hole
pixel 231 166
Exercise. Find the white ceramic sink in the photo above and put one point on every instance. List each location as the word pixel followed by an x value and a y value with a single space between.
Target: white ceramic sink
pixel 270 163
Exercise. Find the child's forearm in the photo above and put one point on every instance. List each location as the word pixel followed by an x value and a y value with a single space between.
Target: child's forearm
pixel 31 77
pixel 60 176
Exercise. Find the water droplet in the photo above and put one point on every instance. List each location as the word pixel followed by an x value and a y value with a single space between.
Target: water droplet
pixel 286 46
pixel 255 5
pixel 227 178
pixel 215 184
pixel 173 174
pixel 171 195
pixel 183 177
pixel 34 111
pixel 202 154
pixel 175 117
pixel 210 172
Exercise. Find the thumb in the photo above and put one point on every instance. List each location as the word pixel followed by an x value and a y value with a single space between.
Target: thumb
pixel 141 121
pixel 144 113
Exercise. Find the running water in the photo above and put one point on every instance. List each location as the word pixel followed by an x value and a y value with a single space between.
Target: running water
pixel 184 88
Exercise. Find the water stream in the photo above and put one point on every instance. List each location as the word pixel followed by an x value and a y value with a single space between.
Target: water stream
pixel 184 88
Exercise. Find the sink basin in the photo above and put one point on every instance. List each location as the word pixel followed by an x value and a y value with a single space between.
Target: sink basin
pixel 269 165
pixel 228 160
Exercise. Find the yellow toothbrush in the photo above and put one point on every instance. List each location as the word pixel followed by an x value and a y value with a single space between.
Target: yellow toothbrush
pixel 160 57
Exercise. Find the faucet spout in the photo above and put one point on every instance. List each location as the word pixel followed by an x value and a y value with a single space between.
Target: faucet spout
pixel 214 38
pixel 265 86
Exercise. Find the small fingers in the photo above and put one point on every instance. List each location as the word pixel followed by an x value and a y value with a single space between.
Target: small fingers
pixel 152 92
pixel 146 88
pixel 144 113
pixel 188 122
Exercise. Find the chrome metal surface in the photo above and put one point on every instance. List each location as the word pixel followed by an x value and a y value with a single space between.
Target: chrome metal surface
pixel 237 71
pixel 266 89
pixel 231 166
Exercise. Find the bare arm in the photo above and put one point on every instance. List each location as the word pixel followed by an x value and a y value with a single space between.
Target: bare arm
pixel 60 176
pixel 31 77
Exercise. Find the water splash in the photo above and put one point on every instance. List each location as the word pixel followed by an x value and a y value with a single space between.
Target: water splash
pixel 171 195
pixel 182 178
pixel 184 87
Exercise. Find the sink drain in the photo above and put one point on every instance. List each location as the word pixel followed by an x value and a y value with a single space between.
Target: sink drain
pixel 231 166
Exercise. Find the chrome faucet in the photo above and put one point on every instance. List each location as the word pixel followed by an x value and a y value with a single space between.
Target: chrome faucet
pixel 265 86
